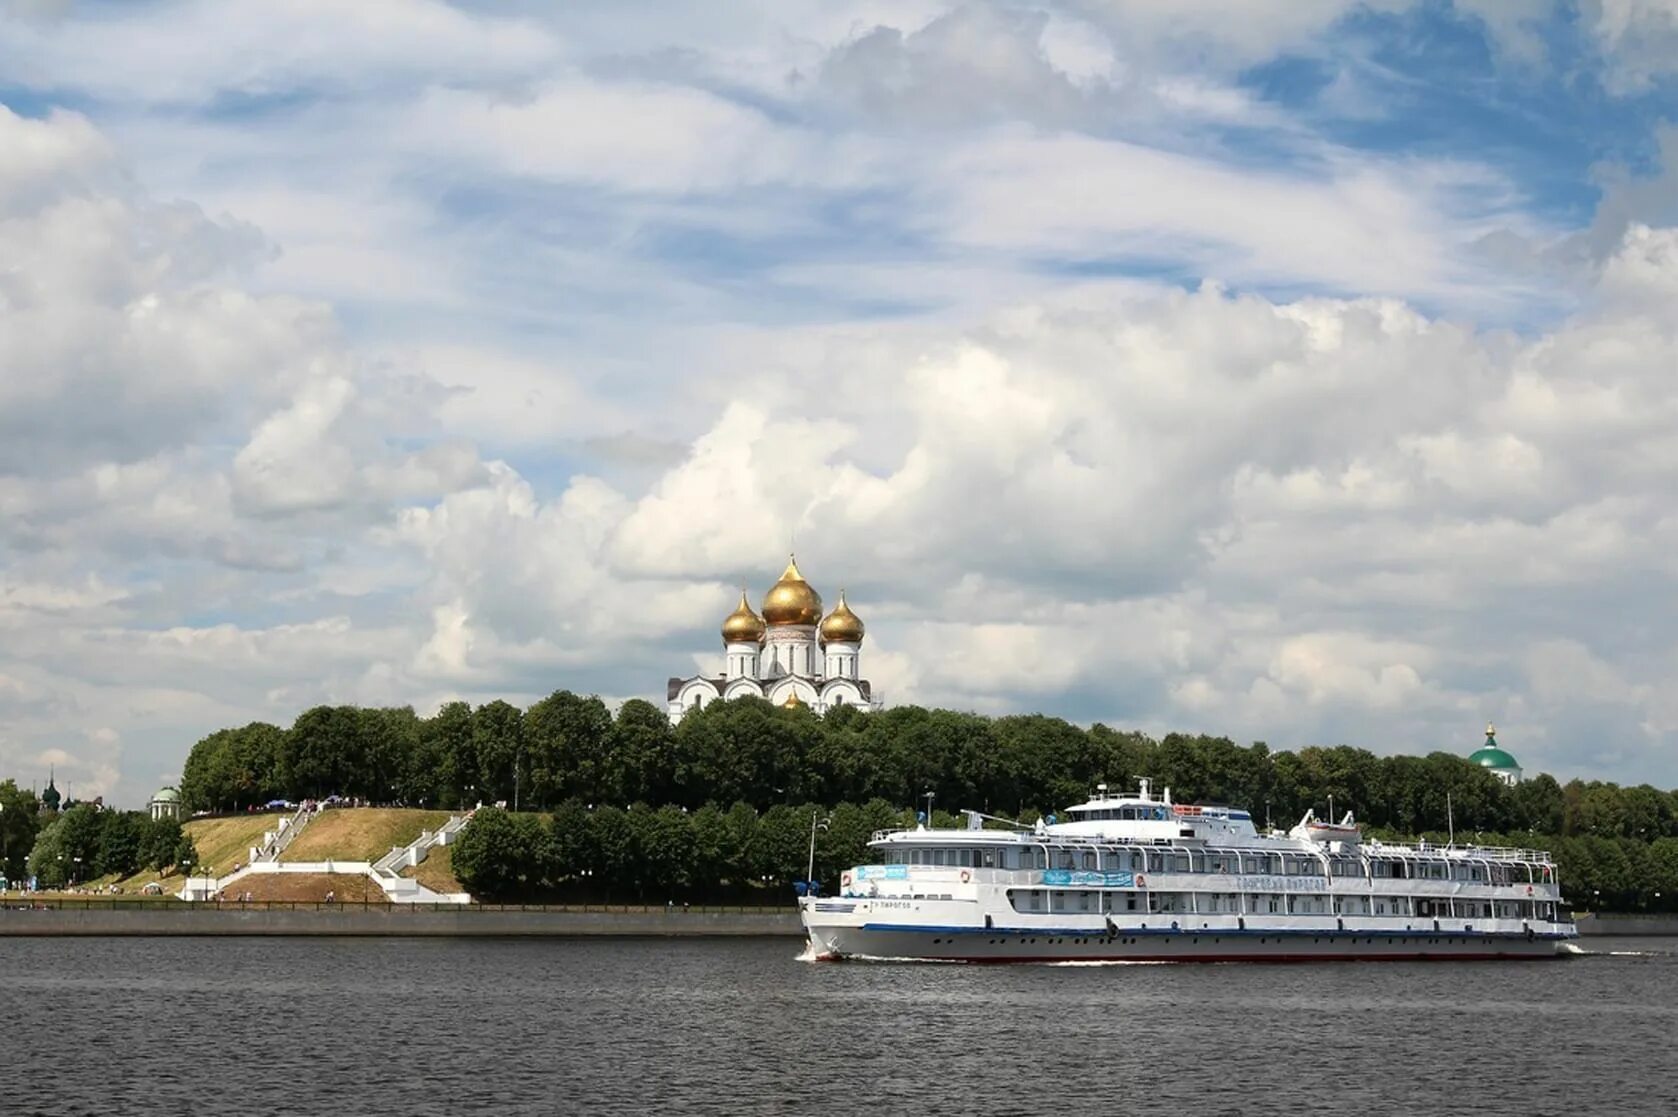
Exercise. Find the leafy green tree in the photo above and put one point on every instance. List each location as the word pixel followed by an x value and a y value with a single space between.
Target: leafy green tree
pixel 387 738
pixel 500 855
pixel 742 838
pixel 711 839
pixel 640 764
pixel 232 769
pixel 497 739
pixel 450 738
pixel 47 863
pixel 185 855
pixel 566 740
pixel 120 835
pixel 323 753
pixel 81 828
pixel 19 822
pixel 666 848
pixel 1538 805
pixel 571 853
pixel 159 839
pixel 615 855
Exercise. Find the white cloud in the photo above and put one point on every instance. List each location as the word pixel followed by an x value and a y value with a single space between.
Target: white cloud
pixel 717 284
pixel 1639 38
pixel 197 50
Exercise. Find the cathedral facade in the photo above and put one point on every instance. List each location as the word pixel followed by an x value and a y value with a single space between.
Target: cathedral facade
pixel 791 654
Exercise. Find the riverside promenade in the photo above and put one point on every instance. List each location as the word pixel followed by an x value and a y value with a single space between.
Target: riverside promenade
pixel 21 916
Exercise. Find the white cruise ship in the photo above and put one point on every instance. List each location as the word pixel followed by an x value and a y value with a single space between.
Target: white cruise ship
pixel 1139 878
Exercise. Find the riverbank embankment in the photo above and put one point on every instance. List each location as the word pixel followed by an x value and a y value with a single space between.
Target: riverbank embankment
pixel 1630 926
pixel 391 920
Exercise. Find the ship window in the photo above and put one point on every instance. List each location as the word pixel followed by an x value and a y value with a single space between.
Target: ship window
pixel 987 859
pixel 1089 859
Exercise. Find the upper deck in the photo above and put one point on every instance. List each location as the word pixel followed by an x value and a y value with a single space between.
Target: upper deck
pixel 1105 822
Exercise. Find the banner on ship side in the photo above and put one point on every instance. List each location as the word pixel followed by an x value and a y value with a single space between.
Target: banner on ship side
pixel 882 872
pixel 1088 877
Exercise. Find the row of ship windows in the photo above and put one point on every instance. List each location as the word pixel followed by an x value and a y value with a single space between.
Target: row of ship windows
pixel 1260 903
pixel 1219 861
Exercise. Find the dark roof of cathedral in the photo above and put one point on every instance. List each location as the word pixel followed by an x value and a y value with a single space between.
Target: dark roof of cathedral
pixel 674 686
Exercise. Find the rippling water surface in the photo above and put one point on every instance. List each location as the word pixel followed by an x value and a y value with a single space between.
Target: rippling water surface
pixel 390 1026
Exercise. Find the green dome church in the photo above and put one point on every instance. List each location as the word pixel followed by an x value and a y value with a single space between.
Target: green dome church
pixel 1500 762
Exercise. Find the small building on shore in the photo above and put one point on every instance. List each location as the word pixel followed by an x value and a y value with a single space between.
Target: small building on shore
pixel 166 803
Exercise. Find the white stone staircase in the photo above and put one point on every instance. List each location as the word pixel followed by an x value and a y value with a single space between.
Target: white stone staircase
pixel 275 841
pixel 386 871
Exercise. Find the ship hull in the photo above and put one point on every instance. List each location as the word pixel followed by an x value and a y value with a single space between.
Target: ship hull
pixel 884 942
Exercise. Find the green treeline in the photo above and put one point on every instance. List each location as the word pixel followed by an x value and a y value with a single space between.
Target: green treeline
pixel 84 842
pixel 1616 844
pixel 743 855
pixel 715 855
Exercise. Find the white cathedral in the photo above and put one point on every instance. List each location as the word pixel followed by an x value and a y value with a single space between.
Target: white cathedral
pixel 791 655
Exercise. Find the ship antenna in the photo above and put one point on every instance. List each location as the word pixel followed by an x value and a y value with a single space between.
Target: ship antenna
pixel 1450 819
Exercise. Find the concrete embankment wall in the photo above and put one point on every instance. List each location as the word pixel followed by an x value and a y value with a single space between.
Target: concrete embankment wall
pixel 1627 924
pixel 378 920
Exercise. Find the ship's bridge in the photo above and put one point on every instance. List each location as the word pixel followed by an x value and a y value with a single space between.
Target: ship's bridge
pixel 1144 817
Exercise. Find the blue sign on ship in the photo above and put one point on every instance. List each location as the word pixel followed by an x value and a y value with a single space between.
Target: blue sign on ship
pixel 1088 877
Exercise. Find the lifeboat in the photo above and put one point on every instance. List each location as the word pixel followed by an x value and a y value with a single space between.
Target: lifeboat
pixel 1314 829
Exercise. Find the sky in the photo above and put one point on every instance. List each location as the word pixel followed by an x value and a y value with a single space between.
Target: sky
pixel 1295 370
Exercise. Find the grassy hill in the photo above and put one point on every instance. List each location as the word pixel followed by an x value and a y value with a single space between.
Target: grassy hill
pixel 221 842
pixel 436 872
pixel 360 833
pixel 225 842
pixel 345 887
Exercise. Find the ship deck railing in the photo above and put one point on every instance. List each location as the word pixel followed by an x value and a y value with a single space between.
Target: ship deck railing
pixel 1374 846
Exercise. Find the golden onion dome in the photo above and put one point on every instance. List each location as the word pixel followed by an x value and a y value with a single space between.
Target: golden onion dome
pixel 793 702
pixel 792 600
pixel 842 626
pixel 742 626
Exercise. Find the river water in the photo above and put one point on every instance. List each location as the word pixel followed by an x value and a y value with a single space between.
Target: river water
pixel 432 1026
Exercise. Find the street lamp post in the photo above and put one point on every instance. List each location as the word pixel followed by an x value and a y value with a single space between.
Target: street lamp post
pixel 75 873
pixel 810 872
